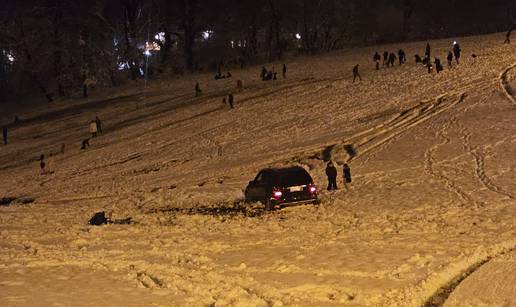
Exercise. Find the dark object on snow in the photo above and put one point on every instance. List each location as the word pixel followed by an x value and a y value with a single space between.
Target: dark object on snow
pixel 401 57
pixel 377 58
pixel 98 219
pixel 198 91
pixel 229 75
pixel 240 85
pixel 263 73
pixel 99 124
pixel 385 57
pixel 438 65
pixel 331 173
pixel 85 143
pixel 4 134
pixel 284 71
pixel 346 173
pixel 6 201
pixel 42 162
pixel 428 50
pixel 16 119
pixel 356 74
pixel 450 59
pixel 392 59
pixel 456 51
pixel 230 100
pixel 474 56
pixel 63 146
pixel 426 61
pixel 418 59
pixel 508 36
pixel 276 187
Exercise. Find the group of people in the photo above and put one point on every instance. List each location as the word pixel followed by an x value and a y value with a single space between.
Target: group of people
pixel 455 53
pixel 267 75
pixel 389 58
pixel 331 173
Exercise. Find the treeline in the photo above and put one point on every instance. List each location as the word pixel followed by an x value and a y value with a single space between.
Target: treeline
pixel 58 46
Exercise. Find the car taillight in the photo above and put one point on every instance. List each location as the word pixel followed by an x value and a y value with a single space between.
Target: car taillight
pixel 312 189
pixel 277 194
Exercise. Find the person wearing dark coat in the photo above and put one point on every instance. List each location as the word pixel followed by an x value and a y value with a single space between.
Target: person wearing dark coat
pixel 450 59
pixel 4 133
pixel 508 36
pixel 263 74
pixel 385 58
pixel 42 163
pixel 377 58
pixel 231 100
pixel 418 59
pixel 356 74
pixel 401 56
pixel 438 65
pixel 346 174
pixel 428 50
pixel 198 91
pixel 392 59
pixel 284 71
pixel 99 124
pixel 456 51
pixel 331 173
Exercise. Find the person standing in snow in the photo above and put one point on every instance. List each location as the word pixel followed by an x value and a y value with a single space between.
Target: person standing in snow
pixel 331 173
pixel 4 134
pixel 428 50
pixel 240 85
pixel 376 59
pixel 508 36
pixel 450 59
pixel 456 51
pixel 99 124
pixel 263 73
pixel 385 57
pixel 198 91
pixel 231 100
pixel 356 74
pixel 93 128
pixel 42 163
pixel 392 59
pixel 346 173
pixel 401 56
pixel 284 71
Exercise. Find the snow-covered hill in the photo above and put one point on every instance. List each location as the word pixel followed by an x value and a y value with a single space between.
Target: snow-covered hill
pixel 432 199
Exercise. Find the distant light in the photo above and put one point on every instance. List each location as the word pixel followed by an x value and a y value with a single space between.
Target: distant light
pixel 206 35
pixel 232 44
pixel 147 53
pixel 455 42
pixel 122 66
pixel 160 36
pixel 298 36
pixel 9 56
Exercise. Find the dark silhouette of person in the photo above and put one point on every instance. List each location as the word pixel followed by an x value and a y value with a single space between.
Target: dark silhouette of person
pixel 428 50
pixel 240 85
pixel 229 75
pixel 508 36
pixel 392 59
pixel 198 91
pixel 456 51
pixel 429 66
pixel 42 163
pixel 4 134
pixel 418 59
pixel 99 124
pixel 377 58
pixel 85 143
pixel 385 57
pixel 438 65
pixel 331 173
pixel 450 59
pixel 401 56
pixel 356 73
pixel 284 71
pixel 263 74
pixel 346 173
pixel 231 100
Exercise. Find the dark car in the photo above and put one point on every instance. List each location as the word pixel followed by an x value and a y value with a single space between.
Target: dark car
pixel 277 187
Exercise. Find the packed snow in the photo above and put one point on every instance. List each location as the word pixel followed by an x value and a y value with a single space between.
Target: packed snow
pixel 429 218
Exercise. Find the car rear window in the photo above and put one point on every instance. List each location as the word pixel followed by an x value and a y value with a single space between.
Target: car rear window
pixel 293 177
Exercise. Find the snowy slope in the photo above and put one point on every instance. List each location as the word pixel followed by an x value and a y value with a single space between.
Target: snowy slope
pixel 432 198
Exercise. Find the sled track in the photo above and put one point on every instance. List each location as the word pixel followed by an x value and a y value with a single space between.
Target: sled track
pixel 504 82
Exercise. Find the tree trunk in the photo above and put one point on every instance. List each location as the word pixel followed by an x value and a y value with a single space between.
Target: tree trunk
pixel 190 11
pixel 57 50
